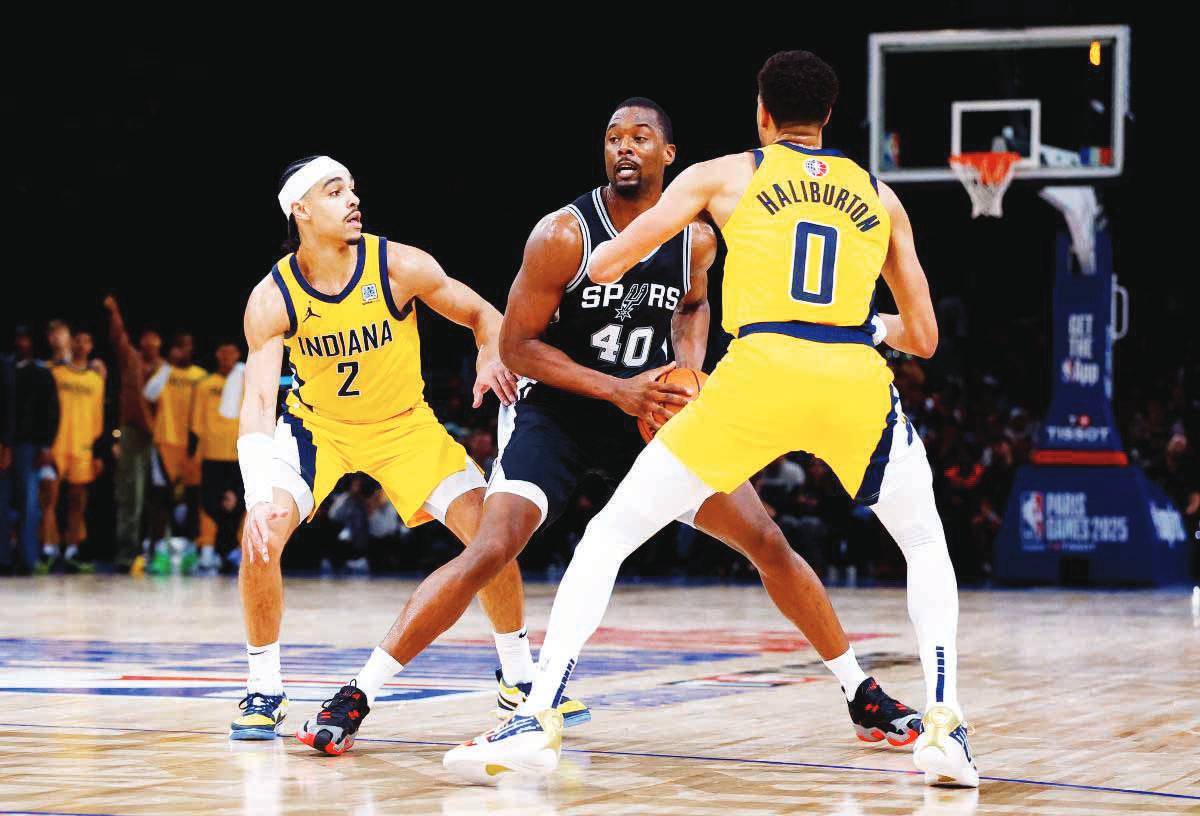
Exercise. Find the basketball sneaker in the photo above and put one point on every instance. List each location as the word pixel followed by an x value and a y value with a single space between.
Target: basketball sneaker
pixel 876 716
pixel 261 714
pixel 522 744
pixel 332 730
pixel 509 697
pixel 942 751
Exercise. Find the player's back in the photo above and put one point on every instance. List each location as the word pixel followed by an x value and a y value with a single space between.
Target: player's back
pixel 806 241
pixel 355 356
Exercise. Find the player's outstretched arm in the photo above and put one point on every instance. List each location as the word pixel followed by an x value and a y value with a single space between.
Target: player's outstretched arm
pixel 686 197
pixel 266 321
pixel 914 330
pixel 552 256
pixel 689 324
pixel 418 274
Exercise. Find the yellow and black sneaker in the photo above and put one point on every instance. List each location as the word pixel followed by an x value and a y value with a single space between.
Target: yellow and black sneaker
pixel 509 697
pixel 261 715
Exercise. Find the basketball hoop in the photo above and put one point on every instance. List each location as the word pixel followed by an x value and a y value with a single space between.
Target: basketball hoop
pixel 986 177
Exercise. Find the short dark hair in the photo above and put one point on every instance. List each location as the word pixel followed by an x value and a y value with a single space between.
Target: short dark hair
pixel 664 121
pixel 797 88
pixel 292 242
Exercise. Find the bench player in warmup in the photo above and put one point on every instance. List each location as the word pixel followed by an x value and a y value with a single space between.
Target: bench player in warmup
pixel 809 233
pixel 591 355
pixel 344 305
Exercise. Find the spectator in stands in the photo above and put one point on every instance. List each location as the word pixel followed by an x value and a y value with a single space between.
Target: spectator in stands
pixel 33 413
pixel 172 389
pixel 213 439
pixel 58 337
pixel 81 422
pixel 135 419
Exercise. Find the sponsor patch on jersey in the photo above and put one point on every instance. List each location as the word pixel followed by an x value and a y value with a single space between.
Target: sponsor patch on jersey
pixel 815 167
pixel 370 293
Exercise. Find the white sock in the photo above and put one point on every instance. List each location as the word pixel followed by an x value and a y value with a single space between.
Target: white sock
pixel 380 668
pixel 50 551
pixel 657 489
pixel 516 661
pixel 910 515
pixel 71 551
pixel 847 671
pixel 265 676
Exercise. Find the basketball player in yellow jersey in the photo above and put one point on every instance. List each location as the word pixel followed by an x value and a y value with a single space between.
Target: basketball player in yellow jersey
pixel 216 448
pixel 344 306
pixel 173 413
pixel 81 421
pixel 809 233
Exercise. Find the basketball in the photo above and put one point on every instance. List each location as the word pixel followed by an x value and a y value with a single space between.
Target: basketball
pixel 688 378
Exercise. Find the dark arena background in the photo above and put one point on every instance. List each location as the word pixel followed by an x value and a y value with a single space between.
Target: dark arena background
pixel 149 174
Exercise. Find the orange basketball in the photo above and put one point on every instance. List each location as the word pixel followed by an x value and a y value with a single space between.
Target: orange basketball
pixel 688 378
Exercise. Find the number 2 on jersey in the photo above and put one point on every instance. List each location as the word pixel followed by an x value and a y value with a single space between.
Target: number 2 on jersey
pixel 346 390
pixel 810 283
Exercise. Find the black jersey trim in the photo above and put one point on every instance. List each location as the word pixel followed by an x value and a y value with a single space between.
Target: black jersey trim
pixel 687 258
pixel 580 273
pixel 602 211
pixel 606 222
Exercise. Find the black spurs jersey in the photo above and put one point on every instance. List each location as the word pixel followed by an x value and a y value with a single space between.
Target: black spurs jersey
pixel 621 328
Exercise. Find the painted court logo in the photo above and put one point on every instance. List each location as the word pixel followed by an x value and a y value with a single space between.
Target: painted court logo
pixel 815 167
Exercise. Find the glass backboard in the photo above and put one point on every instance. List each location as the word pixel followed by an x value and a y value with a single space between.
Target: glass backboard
pixel 1057 96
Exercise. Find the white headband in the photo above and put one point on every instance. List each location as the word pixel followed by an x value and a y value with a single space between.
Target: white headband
pixel 303 179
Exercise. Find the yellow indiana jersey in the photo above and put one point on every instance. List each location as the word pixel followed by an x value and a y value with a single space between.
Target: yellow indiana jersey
pixel 218 435
pixel 173 411
pixel 806 241
pixel 81 411
pixel 356 355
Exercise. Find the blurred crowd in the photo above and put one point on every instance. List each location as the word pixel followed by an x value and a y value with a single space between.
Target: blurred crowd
pixel 132 465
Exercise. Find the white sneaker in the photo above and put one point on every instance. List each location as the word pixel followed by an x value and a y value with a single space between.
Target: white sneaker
pixel 942 751
pixel 522 745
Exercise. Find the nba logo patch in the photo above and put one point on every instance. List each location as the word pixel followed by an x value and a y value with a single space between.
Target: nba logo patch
pixel 1033 516
pixel 370 293
pixel 815 167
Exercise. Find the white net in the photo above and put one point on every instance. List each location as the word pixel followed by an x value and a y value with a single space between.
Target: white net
pixel 986 177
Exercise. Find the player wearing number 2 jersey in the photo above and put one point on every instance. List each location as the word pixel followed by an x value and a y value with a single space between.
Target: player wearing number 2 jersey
pixel 344 306
pixel 809 235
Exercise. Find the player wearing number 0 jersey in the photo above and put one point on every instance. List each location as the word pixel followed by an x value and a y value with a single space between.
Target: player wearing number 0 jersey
pixel 344 306
pixel 809 233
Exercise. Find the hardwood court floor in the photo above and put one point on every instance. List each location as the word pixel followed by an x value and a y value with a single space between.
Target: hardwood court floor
pixel 116 696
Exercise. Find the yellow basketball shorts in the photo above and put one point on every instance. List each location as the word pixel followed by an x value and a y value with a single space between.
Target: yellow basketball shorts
pixel 772 394
pixel 78 469
pixel 411 456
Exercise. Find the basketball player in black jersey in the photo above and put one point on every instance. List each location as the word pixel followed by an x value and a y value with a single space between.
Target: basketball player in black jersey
pixel 589 356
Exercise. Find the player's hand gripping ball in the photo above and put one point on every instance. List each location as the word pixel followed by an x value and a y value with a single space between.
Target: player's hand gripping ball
pixel 688 378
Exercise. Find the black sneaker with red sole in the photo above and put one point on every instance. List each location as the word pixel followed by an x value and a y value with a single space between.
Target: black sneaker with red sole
pixel 332 730
pixel 877 716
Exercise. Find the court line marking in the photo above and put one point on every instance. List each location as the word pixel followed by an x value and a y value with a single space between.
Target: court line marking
pixel 742 760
